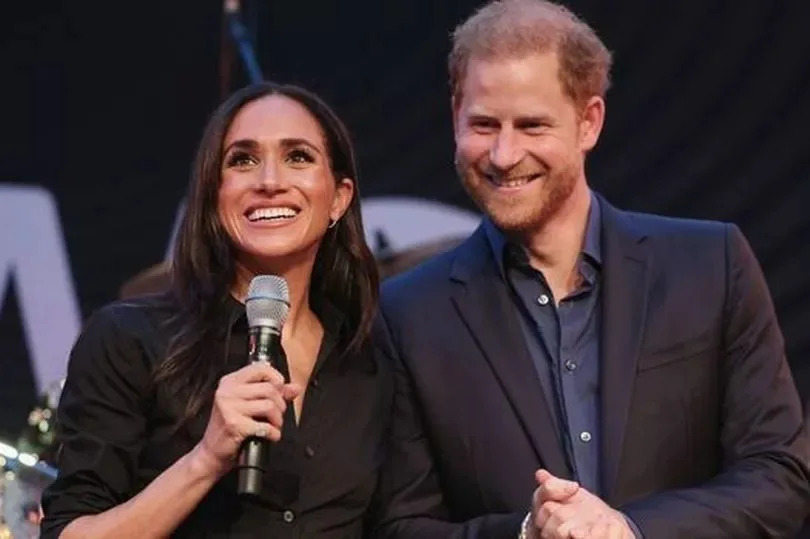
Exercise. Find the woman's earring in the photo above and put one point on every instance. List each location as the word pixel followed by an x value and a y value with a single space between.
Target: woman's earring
pixel 332 223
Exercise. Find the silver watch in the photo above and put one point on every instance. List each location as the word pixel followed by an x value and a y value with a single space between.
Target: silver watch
pixel 524 526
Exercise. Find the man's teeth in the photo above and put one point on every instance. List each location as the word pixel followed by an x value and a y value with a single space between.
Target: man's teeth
pixel 272 213
pixel 513 182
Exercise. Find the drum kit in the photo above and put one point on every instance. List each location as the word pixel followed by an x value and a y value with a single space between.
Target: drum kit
pixel 26 468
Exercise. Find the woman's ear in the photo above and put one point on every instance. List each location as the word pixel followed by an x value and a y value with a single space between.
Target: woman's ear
pixel 344 192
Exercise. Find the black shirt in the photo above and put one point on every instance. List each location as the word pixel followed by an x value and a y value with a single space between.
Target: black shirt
pixel 119 431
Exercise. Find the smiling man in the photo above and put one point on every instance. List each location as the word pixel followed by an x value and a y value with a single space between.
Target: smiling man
pixel 571 369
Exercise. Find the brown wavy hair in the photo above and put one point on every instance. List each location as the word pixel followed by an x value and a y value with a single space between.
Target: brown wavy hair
pixel 203 264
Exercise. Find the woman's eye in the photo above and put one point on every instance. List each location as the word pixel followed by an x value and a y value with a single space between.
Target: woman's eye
pixel 300 156
pixel 241 159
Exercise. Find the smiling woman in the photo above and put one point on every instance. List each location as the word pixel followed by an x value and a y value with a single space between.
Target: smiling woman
pixel 158 401
pixel 278 194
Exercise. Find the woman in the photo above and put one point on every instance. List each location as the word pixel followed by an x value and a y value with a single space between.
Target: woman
pixel 158 398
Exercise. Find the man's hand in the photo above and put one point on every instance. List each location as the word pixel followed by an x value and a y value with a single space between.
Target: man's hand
pixel 561 509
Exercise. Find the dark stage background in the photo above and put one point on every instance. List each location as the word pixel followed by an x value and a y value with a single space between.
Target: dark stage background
pixel 103 103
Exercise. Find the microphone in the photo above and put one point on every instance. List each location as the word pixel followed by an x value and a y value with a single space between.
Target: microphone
pixel 267 305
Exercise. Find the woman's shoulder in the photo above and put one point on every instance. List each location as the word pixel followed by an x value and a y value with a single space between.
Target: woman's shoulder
pixel 124 328
pixel 150 310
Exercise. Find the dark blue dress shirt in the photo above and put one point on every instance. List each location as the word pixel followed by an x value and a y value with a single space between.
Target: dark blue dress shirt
pixel 563 341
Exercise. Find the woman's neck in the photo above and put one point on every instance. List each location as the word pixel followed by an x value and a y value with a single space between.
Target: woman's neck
pixel 298 277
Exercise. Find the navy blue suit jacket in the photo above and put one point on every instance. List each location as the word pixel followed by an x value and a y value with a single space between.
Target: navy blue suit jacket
pixel 701 421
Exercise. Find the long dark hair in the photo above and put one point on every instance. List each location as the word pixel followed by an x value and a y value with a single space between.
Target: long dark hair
pixel 203 268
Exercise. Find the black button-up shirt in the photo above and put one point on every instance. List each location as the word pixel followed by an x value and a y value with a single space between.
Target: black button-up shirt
pixel 563 341
pixel 119 431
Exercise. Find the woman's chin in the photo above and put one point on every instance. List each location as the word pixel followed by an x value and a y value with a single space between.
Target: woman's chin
pixel 278 253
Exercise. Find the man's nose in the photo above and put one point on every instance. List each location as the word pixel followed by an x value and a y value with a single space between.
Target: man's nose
pixel 506 151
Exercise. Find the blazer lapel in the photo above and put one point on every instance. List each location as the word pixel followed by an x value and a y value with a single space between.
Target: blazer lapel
pixel 624 306
pixel 483 301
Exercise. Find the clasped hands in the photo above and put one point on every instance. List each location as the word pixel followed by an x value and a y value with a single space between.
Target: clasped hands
pixel 562 509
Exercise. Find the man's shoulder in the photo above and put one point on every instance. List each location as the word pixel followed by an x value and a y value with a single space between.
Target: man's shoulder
pixel 423 279
pixel 684 245
pixel 657 225
pixel 678 232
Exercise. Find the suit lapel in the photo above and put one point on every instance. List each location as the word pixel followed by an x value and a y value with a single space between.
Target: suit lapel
pixel 483 302
pixel 624 305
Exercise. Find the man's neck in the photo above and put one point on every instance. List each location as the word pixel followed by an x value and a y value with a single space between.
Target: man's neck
pixel 554 248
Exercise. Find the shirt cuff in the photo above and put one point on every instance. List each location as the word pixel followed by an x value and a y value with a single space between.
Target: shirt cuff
pixel 636 532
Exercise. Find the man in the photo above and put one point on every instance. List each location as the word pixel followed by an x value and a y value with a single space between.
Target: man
pixel 573 370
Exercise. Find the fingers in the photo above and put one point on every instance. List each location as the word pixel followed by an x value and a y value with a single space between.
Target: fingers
pixel 553 488
pixel 550 502
pixel 541 476
pixel 554 519
pixel 260 429
pixel 602 528
pixel 543 516
pixel 263 410
pixel 561 521
pixel 544 512
pixel 290 391
pixel 584 532
pixel 572 528
pixel 564 510
pixel 252 402
pixel 575 528
pixel 614 530
pixel 258 381
pixel 262 391
pixel 258 371
pixel 265 374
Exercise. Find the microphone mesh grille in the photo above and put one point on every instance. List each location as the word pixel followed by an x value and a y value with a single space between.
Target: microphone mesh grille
pixel 268 301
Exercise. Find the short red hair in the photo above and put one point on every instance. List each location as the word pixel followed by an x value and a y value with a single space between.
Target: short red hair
pixel 515 28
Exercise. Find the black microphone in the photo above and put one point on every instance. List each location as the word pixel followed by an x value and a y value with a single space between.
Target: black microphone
pixel 267 305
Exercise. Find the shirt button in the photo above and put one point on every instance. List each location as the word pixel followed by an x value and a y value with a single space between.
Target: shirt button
pixel 585 436
pixel 570 365
pixel 309 452
pixel 289 516
pixel 543 299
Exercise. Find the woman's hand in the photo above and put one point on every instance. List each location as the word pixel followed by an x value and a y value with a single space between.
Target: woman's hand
pixel 248 402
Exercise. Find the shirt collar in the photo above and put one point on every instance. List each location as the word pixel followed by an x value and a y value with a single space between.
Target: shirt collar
pixel 501 246
pixel 233 312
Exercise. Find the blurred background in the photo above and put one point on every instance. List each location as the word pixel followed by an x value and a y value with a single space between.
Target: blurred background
pixel 104 102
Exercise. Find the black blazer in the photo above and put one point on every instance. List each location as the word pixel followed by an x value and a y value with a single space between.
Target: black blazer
pixel 701 421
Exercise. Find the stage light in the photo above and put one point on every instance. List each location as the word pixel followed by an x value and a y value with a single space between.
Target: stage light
pixel 28 459
pixel 8 451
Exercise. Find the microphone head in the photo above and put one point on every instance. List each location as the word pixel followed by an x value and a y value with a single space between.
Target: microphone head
pixel 267 302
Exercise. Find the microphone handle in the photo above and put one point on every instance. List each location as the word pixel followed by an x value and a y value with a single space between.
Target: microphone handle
pixel 264 345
